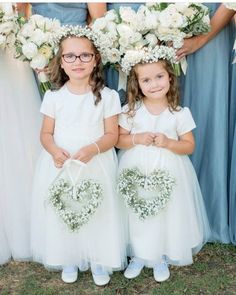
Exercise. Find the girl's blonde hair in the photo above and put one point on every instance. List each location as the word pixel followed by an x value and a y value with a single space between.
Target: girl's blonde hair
pixel 135 95
pixel 58 77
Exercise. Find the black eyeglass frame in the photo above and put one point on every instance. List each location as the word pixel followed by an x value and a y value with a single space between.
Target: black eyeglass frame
pixel 79 57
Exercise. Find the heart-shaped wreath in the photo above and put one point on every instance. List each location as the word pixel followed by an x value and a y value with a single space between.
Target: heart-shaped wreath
pixel 159 181
pixel 88 193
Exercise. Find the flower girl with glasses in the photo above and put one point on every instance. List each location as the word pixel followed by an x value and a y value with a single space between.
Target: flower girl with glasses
pixel 75 215
pixel 166 219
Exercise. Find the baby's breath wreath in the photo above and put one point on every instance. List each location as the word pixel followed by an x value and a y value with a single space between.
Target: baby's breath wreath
pixel 88 193
pixel 159 181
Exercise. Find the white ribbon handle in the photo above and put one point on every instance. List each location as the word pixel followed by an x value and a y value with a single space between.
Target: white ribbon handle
pixel 122 80
pixel 184 65
pixel 66 167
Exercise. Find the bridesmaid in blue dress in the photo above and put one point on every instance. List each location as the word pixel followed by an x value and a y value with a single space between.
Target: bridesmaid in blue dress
pixel 70 13
pixel 205 90
pixel 232 138
pixel 111 74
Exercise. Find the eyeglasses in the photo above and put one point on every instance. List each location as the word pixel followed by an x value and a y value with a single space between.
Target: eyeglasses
pixel 84 57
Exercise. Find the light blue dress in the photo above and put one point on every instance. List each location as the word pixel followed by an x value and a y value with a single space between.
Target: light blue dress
pixel 232 154
pixel 67 13
pixel 205 90
pixel 111 74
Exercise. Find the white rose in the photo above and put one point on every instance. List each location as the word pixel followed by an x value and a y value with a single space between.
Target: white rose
pixel 164 19
pixel 7 8
pixel 38 20
pixel 113 55
pixel 177 21
pixel 38 62
pixel 151 39
pixel 124 30
pixel 6 27
pixel 38 37
pixel 124 41
pixel 151 20
pixel 21 39
pixel 27 30
pixel 99 24
pixel 135 37
pixel 127 14
pixel 111 28
pixel 29 50
pixel 189 12
pixel 181 7
pixel 111 15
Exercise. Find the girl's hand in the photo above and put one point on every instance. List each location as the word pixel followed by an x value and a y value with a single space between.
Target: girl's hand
pixel 60 156
pixel 85 154
pixel 161 140
pixel 145 138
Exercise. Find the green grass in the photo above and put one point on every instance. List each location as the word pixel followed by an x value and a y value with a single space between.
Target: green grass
pixel 213 272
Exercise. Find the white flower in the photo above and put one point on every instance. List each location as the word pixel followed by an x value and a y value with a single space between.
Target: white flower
pixel 6 27
pixel 177 20
pixel 113 55
pixel 125 30
pixel 39 61
pixel 127 14
pixel 38 20
pixel 111 15
pixel 27 30
pixel 7 8
pixel 99 24
pixel 38 37
pixel 151 39
pixel 29 50
pixel 189 12
pixel 181 7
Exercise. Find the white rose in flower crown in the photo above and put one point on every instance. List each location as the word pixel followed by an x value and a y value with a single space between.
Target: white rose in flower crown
pixel 29 50
pixel 38 37
pixel 39 62
pixel 6 27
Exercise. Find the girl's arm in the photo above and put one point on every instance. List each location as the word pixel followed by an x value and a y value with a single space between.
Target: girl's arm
pixel 95 10
pixel 23 8
pixel 127 140
pixel 184 146
pixel 46 136
pixel 106 142
pixel 219 20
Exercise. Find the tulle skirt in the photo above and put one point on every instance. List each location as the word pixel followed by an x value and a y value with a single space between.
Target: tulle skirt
pixel 20 122
pixel 181 228
pixel 98 242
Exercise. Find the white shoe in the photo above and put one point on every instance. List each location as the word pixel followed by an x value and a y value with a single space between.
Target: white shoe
pixel 100 276
pixel 161 272
pixel 69 274
pixel 134 269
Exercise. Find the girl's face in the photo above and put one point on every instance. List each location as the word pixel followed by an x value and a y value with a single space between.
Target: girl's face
pixel 78 58
pixel 153 79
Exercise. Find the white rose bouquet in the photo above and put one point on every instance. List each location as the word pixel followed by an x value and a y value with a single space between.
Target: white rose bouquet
pixel 153 25
pixel 36 43
pixel 10 24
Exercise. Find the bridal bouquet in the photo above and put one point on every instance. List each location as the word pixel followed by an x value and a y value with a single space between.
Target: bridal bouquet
pixel 36 42
pixel 154 24
pixel 10 24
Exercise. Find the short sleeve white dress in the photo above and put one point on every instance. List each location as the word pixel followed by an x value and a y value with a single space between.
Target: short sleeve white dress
pixel 78 122
pixel 181 228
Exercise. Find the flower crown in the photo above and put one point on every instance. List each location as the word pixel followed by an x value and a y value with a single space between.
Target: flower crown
pixel 78 31
pixel 147 55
